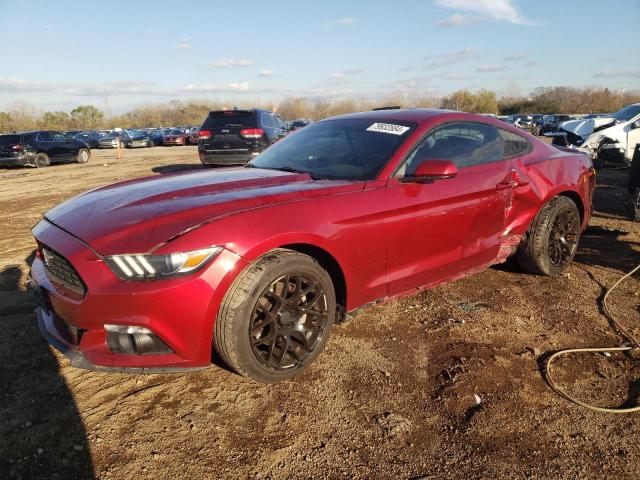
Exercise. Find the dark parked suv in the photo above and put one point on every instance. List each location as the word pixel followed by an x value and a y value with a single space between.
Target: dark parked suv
pixel 233 137
pixel 39 149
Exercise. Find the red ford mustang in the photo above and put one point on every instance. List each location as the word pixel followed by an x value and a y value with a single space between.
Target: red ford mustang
pixel 258 262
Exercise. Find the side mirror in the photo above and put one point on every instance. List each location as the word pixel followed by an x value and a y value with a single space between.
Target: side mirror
pixel 635 125
pixel 430 170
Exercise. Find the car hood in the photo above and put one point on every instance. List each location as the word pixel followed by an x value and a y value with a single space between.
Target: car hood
pixel 584 128
pixel 137 215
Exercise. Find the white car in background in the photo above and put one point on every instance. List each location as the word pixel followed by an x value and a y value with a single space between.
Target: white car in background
pixel 610 139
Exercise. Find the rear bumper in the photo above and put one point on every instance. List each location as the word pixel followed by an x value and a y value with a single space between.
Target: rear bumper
pixel 19 161
pixel 228 159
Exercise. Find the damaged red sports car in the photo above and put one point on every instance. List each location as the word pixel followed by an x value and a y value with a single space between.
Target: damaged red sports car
pixel 258 262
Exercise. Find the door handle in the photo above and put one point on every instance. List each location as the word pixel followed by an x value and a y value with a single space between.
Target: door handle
pixel 506 185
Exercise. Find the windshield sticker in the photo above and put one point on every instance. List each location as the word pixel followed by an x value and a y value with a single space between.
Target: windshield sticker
pixel 388 128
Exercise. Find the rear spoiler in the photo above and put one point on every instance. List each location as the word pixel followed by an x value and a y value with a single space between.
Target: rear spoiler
pixel 229 112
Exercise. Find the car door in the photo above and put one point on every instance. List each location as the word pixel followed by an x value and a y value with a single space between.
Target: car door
pixel 633 136
pixel 46 144
pixel 441 229
pixel 282 128
pixel 65 147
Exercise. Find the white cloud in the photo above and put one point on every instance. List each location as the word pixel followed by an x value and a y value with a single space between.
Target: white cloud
pixel 184 43
pixel 20 85
pixel 468 11
pixel 224 88
pixel 16 85
pixel 450 58
pixel 618 74
pixel 456 20
pixel 516 57
pixel 348 21
pixel 342 74
pixel 232 63
pixel 265 72
pixel 490 68
pixel 345 22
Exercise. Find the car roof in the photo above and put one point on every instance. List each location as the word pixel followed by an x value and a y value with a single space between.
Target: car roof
pixel 253 110
pixel 402 114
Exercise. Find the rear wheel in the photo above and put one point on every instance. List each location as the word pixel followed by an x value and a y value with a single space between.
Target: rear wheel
pixel 83 155
pixel 552 239
pixel 276 317
pixel 635 205
pixel 41 160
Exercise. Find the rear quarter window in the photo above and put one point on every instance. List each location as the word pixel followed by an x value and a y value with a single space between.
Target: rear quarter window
pixel 9 139
pixel 514 145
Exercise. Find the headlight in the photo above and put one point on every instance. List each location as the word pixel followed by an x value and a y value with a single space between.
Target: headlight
pixel 149 267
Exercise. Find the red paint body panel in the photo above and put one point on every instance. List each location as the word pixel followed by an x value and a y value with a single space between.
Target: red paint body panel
pixel 387 237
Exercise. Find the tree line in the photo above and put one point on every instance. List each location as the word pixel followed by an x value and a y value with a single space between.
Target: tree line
pixel 23 116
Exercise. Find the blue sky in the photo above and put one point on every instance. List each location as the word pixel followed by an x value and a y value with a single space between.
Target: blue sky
pixel 121 54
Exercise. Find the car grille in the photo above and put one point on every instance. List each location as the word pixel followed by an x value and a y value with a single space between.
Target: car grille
pixel 61 272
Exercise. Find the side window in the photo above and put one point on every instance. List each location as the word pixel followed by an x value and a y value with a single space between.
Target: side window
pixel 265 118
pixel 465 144
pixel 58 137
pixel 280 122
pixel 514 145
pixel 44 137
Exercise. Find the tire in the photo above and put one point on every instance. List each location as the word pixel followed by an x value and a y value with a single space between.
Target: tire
pixel 150 143
pixel 635 205
pixel 83 155
pixel 552 239
pixel 41 160
pixel 258 314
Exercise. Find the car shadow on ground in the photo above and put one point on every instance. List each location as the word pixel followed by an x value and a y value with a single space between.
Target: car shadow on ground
pixel 180 167
pixel 41 431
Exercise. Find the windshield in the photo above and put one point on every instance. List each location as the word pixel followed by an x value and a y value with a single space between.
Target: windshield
pixel 173 131
pixel 627 113
pixel 352 149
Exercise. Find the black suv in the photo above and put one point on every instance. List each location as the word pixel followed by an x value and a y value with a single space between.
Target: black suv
pixel 40 149
pixel 233 137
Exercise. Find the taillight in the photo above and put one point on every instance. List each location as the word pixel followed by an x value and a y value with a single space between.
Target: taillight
pixel 252 133
pixel 204 134
pixel 17 148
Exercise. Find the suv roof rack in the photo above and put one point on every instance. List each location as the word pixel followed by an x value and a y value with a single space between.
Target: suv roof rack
pixel 397 107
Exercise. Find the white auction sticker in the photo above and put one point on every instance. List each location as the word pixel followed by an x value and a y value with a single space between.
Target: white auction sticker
pixel 388 128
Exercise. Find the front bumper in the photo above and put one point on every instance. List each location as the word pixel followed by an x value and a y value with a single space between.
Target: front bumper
pixel 180 312
pixel 78 359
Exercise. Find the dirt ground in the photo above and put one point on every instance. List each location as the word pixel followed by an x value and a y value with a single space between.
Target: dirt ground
pixel 394 395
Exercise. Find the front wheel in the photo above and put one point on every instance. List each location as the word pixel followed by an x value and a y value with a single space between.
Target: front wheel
pixel 276 317
pixel 83 155
pixel 552 240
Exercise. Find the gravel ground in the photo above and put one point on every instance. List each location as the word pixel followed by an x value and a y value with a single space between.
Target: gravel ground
pixel 446 383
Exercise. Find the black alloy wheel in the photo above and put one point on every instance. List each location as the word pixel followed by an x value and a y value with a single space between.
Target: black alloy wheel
pixel 563 237
pixel 289 321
